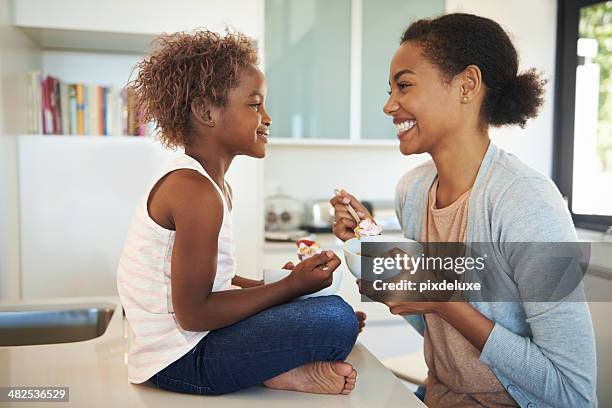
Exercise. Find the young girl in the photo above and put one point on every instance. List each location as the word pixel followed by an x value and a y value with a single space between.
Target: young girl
pixel 191 332
pixel 451 78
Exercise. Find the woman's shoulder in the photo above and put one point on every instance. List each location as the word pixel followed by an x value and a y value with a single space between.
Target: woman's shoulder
pixel 508 175
pixel 524 203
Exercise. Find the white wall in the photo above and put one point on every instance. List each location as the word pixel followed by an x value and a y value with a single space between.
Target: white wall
pixel 372 172
pixel 312 172
pixel 532 26
pixel 17 56
pixel 78 196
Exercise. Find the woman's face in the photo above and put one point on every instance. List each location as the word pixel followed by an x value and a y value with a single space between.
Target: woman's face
pixel 425 109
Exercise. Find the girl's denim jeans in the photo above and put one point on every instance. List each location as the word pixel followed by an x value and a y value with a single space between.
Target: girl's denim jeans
pixel 263 346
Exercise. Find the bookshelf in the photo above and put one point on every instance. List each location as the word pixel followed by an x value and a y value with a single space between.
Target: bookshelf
pixel 92 44
pixel 68 199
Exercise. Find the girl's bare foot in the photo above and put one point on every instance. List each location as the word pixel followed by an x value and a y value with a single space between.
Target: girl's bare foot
pixel 320 377
pixel 361 317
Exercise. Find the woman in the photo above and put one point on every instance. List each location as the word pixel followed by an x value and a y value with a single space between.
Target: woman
pixel 451 78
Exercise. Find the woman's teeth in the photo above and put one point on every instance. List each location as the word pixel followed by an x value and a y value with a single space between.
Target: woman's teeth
pixel 405 126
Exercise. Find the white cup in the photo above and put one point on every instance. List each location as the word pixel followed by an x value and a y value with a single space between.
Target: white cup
pixel 352 249
pixel 274 275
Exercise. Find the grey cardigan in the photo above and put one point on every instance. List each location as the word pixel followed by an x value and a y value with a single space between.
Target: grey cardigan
pixel 542 352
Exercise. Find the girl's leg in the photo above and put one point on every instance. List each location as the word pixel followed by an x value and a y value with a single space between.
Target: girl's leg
pixel 267 347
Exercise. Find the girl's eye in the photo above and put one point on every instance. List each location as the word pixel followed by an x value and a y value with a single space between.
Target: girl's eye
pixel 255 106
pixel 389 92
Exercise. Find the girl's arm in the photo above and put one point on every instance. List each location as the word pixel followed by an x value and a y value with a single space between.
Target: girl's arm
pixel 246 282
pixel 196 211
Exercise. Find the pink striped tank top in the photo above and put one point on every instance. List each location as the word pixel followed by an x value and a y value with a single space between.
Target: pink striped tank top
pixel 143 283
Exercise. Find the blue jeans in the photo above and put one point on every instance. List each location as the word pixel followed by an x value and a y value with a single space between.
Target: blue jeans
pixel 263 346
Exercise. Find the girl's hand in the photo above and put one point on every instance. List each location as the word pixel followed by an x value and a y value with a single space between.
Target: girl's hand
pixel 315 273
pixel 289 265
pixel 344 223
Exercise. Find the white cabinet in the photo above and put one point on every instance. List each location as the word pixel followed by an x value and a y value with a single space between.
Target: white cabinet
pixel 129 25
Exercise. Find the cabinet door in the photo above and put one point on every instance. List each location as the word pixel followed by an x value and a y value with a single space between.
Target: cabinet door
pixel 307 58
pixel 383 23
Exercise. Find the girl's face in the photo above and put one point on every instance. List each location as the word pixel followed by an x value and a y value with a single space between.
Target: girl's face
pixel 424 108
pixel 244 121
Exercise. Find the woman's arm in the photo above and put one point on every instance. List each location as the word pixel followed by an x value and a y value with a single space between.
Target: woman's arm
pixel 555 364
pixel 468 321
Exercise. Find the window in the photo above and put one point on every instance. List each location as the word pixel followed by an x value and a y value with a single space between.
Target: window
pixel 327 64
pixel 583 111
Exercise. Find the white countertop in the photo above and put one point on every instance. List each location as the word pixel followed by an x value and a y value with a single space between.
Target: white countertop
pixel 96 372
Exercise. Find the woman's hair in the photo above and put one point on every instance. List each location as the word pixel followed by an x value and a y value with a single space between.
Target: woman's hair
pixel 199 67
pixel 454 41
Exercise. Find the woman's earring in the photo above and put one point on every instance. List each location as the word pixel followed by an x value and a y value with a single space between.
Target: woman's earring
pixel 465 99
pixel 211 122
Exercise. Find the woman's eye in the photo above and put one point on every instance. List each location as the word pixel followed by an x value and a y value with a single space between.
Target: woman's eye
pixel 388 92
pixel 401 86
pixel 255 106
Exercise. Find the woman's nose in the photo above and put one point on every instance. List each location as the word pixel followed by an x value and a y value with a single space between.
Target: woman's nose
pixel 390 106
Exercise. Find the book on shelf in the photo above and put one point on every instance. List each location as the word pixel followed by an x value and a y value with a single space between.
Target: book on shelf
pixel 56 107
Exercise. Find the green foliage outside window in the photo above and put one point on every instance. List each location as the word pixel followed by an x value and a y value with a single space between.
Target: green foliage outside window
pixel 596 23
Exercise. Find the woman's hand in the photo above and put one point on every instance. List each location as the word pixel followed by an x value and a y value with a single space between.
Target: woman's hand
pixel 313 274
pixel 344 223
pixel 398 307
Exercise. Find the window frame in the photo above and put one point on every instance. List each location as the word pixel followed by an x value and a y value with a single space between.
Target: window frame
pixel 568 17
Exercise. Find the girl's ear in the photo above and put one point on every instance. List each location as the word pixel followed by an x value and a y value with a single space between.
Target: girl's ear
pixel 471 83
pixel 202 113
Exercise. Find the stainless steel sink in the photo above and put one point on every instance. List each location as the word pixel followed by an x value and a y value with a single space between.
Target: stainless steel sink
pixel 24 325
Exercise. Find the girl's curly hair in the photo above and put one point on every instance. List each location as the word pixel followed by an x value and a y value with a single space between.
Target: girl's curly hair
pixel 196 67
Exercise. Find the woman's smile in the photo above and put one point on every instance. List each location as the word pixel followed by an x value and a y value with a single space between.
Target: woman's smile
pixel 404 126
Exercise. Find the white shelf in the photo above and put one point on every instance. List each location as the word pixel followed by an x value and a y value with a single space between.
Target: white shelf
pixel 84 137
pixel 273 142
pixel 333 142
pixel 81 40
pixel 129 26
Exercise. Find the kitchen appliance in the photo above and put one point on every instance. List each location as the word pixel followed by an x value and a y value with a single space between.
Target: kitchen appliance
pixel 283 212
pixel 319 215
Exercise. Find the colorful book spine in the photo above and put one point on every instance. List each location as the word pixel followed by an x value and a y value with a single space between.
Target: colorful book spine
pixel 55 107
pixel 65 108
pixel 80 109
pixel 92 110
pixel 34 96
pixel 72 102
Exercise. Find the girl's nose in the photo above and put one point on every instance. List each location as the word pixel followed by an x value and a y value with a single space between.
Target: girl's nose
pixel 267 120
